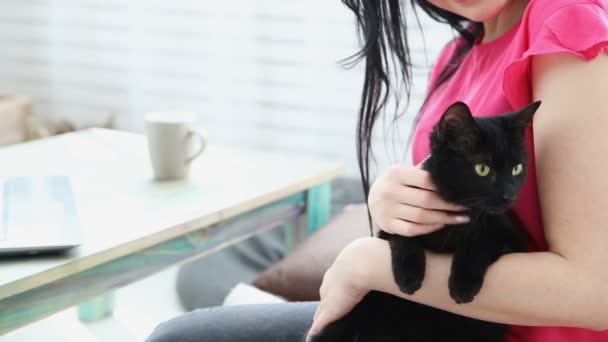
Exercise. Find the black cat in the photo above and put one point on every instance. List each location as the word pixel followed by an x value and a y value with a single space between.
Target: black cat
pixel 481 164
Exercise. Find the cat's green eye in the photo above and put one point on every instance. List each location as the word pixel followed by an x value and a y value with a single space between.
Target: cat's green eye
pixel 517 169
pixel 482 170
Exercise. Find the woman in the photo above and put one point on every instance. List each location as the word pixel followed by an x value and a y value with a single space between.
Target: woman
pixel 509 53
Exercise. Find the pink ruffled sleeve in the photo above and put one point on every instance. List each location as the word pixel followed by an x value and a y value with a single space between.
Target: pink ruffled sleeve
pixel 576 27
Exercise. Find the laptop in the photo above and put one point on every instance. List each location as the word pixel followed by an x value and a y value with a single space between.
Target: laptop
pixel 37 214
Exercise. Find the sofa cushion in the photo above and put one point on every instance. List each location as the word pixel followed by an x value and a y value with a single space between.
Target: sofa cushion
pixel 298 276
pixel 13 112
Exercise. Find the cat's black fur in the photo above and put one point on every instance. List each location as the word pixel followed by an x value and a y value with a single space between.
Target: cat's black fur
pixel 458 143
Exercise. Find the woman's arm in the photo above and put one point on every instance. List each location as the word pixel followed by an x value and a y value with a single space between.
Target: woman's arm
pixel 567 286
pixel 524 289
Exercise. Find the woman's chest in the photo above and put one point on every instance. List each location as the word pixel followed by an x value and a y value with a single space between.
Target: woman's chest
pixel 478 82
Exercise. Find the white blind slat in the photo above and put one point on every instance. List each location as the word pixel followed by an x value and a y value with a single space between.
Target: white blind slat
pixel 261 74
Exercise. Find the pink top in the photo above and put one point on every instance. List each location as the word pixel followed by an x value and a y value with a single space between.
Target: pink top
pixel 495 78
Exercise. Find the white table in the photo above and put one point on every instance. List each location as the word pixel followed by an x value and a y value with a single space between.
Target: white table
pixel 134 227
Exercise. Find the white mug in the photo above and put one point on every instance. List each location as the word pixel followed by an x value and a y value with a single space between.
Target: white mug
pixel 171 140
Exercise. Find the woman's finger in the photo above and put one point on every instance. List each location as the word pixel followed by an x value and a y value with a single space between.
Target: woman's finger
pixel 410 229
pixel 424 199
pixel 415 177
pixel 317 323
pixel 317 312
pixel 330 310
pixel 424 216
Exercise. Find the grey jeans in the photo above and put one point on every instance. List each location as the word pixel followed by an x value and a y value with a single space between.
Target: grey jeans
pixel 286 322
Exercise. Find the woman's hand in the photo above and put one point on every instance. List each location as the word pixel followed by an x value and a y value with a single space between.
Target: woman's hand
pixel 344 284
pixel 404 201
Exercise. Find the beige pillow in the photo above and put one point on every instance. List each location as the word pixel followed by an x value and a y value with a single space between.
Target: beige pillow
pixel 298 276
pixel 13 112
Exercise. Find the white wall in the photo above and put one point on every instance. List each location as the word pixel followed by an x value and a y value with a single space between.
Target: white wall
pixel 261 73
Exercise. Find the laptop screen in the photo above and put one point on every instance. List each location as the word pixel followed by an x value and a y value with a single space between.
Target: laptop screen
pixel 39 208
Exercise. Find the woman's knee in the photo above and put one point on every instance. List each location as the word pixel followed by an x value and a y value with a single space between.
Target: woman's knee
pixel 181 328
pixel 218 324
pixel 252 323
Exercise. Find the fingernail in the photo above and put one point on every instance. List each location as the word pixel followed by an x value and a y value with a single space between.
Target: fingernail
pixel 462 219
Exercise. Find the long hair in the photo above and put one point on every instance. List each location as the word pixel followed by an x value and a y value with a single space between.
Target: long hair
pixel 382 29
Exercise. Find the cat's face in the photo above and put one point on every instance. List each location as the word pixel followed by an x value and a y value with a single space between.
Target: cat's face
pixel 480 162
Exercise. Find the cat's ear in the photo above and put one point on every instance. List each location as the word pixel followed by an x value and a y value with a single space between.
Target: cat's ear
pixel 524 116
pixel 457 125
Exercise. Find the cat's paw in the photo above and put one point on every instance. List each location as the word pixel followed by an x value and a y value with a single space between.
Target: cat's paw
pixel 408 263
pixel 409 273
pixel 409 282
pixel 464 286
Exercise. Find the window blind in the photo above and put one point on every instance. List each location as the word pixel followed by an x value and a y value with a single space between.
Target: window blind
pixel 261 74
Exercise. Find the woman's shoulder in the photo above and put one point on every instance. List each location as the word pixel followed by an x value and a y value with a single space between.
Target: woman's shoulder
pixel 576 27
pixel 539 11
pixel 549 6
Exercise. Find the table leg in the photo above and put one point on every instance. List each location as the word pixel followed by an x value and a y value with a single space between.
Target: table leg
pixel 295 232
pixel 318 206
pixel 318 210
pixel 288 236
pixel 98 308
